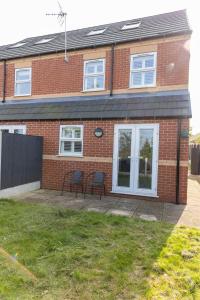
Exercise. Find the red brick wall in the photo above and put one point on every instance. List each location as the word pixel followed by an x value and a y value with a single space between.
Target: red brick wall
pixel 53 171
pixel 173 63
pixel 54 76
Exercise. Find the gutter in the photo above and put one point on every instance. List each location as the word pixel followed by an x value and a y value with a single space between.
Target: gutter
pixel 4 83
pixel 178 151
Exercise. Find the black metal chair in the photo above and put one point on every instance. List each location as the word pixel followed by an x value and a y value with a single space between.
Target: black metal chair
pixel 73 178
pixel 95 180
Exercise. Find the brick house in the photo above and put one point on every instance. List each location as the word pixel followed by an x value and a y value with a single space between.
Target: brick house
pixel 127 81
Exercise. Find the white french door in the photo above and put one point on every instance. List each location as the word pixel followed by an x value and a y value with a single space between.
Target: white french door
pixel 135 159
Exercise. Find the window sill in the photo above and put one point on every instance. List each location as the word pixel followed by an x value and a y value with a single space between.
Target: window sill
pixel 22 95
pixel 142 87
pixel 89 91
pixel 70 155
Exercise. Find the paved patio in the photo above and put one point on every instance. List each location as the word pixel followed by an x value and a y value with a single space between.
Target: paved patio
pixel 177 214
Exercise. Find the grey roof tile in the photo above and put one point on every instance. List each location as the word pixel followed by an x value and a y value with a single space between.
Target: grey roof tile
pixel 172 23
pixel 161 104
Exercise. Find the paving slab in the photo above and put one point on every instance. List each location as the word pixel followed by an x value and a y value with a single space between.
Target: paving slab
pixel 151 210
pixel 97 209
pixel 120 212
pixel 148 217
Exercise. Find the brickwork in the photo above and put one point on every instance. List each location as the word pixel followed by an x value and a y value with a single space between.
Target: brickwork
pixel 51 75
pixel 53 170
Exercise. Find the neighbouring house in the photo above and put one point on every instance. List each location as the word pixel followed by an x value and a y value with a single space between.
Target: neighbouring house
pixel 120 104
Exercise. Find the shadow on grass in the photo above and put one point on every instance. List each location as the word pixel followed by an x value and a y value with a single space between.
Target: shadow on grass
pixel 88 255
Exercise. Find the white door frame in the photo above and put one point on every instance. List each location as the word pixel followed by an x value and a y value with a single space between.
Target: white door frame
pixel 134 163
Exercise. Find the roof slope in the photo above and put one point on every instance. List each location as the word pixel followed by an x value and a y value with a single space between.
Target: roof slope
pixel 167 24
pixel 161 104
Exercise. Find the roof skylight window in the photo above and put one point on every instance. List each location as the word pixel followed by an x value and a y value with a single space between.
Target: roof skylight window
pixel 43 41
pixel 98 31
pixel 131 26
pixel 18 45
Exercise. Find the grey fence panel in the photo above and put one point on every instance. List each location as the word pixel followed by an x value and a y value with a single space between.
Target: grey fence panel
pixel 21 159
pixel 195 159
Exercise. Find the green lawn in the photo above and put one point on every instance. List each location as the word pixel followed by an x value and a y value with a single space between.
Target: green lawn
pixel 86 255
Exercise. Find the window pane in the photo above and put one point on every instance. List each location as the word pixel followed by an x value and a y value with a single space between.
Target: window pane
pixel 90 67
pixel 77 133
pixel 67 132
pixel 66 146
pixel 136 78
pixel 23 74
pixel 89 83
pixel 77 147
pixel 149 61
pixel 18 131
pixel 99 67
pixel 137 63
pixel 100 82
pixel 124 157
pixel 149 77
pixel 145 159
pixel 23 88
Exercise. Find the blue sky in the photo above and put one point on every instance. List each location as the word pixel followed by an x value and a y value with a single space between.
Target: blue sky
pixel 22 18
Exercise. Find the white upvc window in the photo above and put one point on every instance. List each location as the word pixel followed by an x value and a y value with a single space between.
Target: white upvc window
pixel 23 82
pixel 71 140
pixel 94 75
pixel 17 129
pixel 143 70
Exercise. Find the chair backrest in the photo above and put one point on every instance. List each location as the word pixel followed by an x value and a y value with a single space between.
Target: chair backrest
pixel 77 176
pixel 99 177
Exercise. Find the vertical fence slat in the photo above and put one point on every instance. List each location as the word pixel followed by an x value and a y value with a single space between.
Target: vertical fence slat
pixel 195 159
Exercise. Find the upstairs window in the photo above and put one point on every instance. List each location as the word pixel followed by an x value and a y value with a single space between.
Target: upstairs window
pixel 23 82
pixel 71 140
pixel 94 75
pixel 143 70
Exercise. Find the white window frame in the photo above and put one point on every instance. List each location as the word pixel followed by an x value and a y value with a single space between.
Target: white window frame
pixel 11 128
pixel 61 139
pixel 23 81
pixel 142 70
pixel 94 74
pixel 133 189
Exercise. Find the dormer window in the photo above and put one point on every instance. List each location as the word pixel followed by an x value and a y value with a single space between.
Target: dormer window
pixel 43 41
pixel 95 32
pixel 20 44
pixel 131 26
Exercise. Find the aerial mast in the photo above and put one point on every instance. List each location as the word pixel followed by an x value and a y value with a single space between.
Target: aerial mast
pixel 62 18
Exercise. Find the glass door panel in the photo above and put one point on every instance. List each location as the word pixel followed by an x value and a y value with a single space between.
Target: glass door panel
pixel 135 159
pixel 124 157
pixel 145 158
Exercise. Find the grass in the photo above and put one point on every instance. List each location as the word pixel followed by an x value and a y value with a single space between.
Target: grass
pixel 86 255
